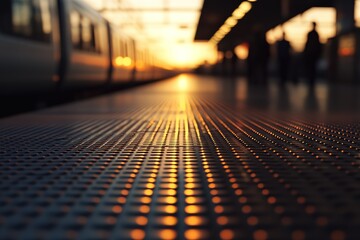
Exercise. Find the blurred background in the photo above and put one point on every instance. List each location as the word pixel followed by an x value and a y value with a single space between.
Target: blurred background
pixel 53 50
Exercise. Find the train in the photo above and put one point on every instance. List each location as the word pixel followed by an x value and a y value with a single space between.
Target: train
pixel 54 46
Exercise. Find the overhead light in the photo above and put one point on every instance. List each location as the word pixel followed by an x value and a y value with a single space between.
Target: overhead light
pixel 231 21
pixel 238 14
pixel 245 6
pixel 225 29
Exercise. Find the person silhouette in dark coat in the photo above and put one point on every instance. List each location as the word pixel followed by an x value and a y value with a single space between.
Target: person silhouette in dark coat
pixel 258 60
pixel 312 54
pixel 283 48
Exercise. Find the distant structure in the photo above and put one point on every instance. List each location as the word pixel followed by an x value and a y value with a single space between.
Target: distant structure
pixel 259 54
pixel 283 50
pixel 312 54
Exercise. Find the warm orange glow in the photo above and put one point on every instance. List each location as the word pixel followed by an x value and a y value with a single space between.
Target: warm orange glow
pixel 231 22
pixel 167 234
pixel 145 200
pixel 172 180
pixel 137 234
pixel 140 65
pixel 191 200
pixel 195 234
pixel 242 51
pixel 148 192
pixel 150 186
pixel 245 6
pixel 123 61
pixel 169 220
pixel 194 221
pixel 127 62
pixel 238 14
pixel 170 209
pixel 144 209
pixel 121 200
pixel 170 192
pixel 141 220
pixel 172 185
pixel 193 209
pixel 219 209
pixel 170 200
pixel 227 234
pixel 117 209
pixel 119 61
pixel 216 200
pixel 189 192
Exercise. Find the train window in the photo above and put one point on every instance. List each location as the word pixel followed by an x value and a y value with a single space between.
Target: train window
pixel 75 29
pixel 126 49
pixel 46 17
pixel 22 19
pixel 132 52
pixel 26 18
pixel 86 33
pixel 117 46
pixel 41 20
pixel 120 47
pixel 100 31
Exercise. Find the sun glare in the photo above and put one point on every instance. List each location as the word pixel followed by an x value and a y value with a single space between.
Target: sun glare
pixel 169 33
pixel 183 83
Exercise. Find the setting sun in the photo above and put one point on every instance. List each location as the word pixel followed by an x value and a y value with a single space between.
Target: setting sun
pixel 183 83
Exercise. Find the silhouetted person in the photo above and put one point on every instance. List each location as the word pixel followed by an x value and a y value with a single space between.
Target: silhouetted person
pixel 312 54
pixel 283 48
pixel 259 53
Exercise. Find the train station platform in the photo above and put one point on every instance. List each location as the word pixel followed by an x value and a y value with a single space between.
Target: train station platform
pixel 192 157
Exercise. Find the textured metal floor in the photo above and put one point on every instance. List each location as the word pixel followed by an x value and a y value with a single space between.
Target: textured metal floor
pixel 169 161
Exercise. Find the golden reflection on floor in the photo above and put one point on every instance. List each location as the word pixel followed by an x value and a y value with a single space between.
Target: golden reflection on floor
pixel 189 158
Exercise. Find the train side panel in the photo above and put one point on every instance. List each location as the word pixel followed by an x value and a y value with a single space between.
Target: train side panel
pixel 86 42
pixel 28 46
pixel 141 67
pixel 122 57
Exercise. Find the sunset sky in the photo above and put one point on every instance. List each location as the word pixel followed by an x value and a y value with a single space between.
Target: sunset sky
pixel 167 26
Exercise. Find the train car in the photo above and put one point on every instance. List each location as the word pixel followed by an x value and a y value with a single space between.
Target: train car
pixel 122 57
pixel 85 42
pixel 29 46
pixel 54 46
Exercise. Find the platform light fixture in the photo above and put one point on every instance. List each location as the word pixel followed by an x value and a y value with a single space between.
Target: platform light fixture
pixel 238 14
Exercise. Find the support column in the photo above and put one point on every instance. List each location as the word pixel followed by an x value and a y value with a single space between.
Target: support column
pixel 345 15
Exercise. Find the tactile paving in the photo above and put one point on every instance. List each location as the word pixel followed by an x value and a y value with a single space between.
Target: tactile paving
pixel 143 165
